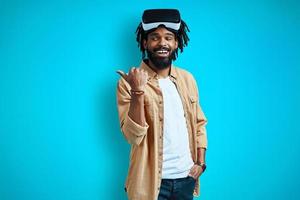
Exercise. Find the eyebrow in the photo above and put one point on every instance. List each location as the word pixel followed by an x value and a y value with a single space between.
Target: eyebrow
pixel 156 34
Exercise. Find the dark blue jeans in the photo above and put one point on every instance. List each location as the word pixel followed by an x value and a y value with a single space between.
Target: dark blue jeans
pixel 177 189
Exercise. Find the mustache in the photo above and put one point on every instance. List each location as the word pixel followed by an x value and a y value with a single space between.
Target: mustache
pixel 161 48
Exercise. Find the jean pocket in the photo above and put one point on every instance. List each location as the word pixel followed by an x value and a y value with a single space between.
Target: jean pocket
pixel 191 178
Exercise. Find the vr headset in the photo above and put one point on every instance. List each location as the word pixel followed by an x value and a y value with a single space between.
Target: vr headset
pixel 153 18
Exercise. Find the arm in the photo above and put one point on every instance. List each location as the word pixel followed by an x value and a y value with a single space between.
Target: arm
pixel 201 155
pixel 136 109
pixel 201 138
pixel 131 106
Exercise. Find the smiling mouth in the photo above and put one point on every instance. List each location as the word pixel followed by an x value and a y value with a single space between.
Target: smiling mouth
pixel 162 52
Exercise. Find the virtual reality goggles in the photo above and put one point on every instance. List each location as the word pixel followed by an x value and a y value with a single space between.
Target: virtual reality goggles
pixel 153 18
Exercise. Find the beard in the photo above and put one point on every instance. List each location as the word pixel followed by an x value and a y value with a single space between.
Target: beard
pixel 161 62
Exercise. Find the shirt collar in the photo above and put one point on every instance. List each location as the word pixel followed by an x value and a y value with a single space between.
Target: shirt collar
pixel 152 74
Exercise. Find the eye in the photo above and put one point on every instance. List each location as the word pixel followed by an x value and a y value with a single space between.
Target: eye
pixel 154 38
pixel 169 38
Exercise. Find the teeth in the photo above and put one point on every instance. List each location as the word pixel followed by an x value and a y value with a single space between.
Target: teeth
pixel 162 51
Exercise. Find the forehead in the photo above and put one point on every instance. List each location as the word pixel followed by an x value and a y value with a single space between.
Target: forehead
pixel 161 31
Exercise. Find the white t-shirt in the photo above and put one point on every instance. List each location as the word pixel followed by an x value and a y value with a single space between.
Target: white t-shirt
pixel 177 159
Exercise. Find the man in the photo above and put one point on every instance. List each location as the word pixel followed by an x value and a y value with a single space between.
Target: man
pixel 160 115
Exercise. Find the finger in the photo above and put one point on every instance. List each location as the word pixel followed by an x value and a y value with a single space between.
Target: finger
pixel 195 171
pixel 132 69
pixel 192 172
pixel 193 168
pixel 137 70
pixel 123 74
pixel 146 75
pixel 199 172
pixel 192 176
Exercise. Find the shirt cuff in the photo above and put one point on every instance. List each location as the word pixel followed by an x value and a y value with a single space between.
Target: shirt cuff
pixel 202 141
pixel 134 128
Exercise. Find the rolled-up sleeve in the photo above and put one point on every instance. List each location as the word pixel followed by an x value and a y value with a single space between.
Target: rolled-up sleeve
pixel 133 132
pixel 201 121
pixel 201 135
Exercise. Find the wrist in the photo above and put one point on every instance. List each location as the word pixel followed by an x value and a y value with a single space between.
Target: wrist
pixel 202 165
pixel 137 92
pixel 138 88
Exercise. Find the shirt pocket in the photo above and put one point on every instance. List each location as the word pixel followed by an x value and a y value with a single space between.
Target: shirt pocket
pixel 147 100
pixel 148 105
pixel 193 106
pixel 193 101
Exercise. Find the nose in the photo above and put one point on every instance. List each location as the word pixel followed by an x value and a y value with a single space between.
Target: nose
pixel 163 42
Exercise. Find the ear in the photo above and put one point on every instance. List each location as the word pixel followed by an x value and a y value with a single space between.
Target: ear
pixel 145 44
pixel 176 44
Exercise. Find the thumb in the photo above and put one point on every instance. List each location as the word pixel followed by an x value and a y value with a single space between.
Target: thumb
pixel 123 74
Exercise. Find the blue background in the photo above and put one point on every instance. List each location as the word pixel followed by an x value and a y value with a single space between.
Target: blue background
pixel 59 128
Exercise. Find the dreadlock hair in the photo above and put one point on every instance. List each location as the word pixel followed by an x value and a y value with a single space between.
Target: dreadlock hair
pixel 180 35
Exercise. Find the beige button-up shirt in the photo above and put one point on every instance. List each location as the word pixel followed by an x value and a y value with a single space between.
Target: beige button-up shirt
pixel 146 156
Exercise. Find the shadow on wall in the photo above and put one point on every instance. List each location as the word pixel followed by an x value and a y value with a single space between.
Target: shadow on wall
pixel 116 146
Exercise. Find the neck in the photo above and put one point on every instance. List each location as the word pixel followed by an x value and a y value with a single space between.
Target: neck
pixel 162 73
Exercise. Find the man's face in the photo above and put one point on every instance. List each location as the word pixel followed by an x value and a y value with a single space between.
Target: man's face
pixel 160 46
